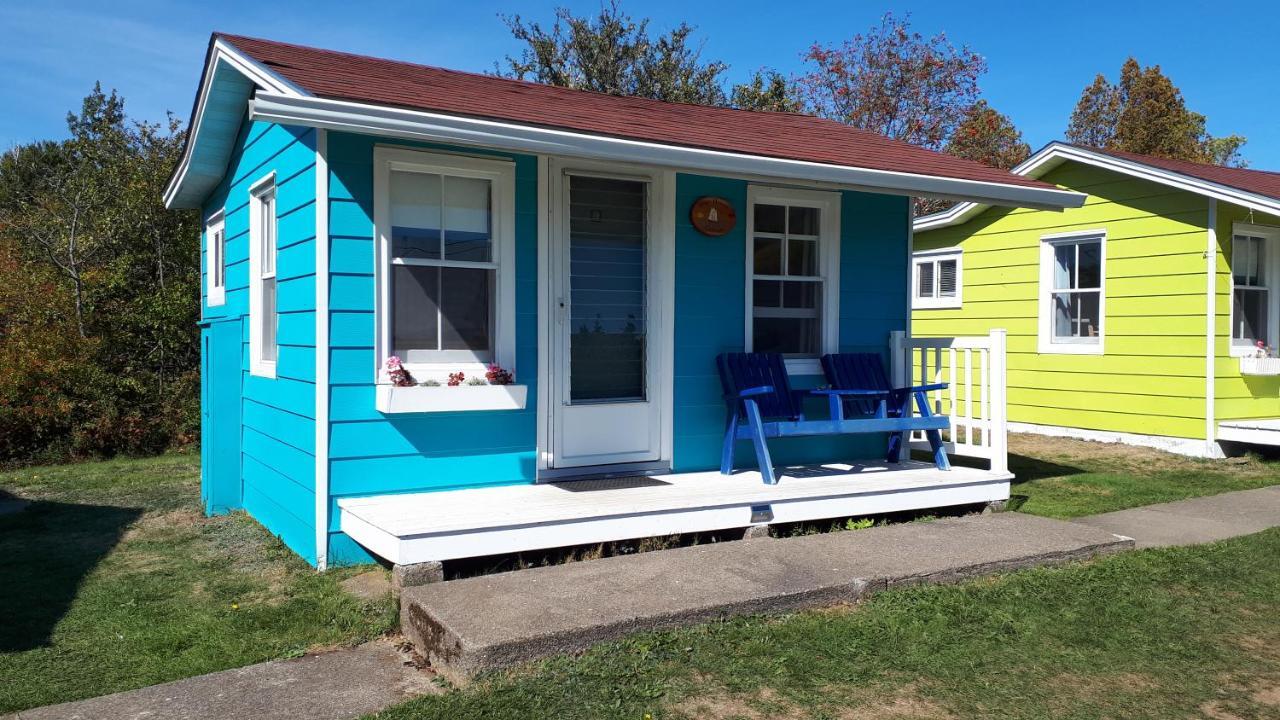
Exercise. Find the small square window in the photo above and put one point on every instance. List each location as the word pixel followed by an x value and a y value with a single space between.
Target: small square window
pixel 1072 299
pixel 936 282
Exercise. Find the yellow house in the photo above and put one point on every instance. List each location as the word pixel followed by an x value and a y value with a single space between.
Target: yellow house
pixel 1149 316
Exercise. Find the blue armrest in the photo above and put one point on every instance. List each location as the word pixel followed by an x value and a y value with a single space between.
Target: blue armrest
pixel 750 392
pixel 926 388
pixel 857 393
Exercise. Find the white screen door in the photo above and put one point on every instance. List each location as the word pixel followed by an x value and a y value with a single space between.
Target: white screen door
pixel 605 409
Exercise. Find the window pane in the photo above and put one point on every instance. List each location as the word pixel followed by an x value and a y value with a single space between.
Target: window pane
pixel 467 228
pixel 270 319
pixel 770 218
pixel 924 279
pixel 465 310
pixel 415 215
pixel 802 220
pixel 1090 270
pixel 1249 315
pixel 1076 315
pixel 802 257
pixel 220 263
pixel 1064 266
pixel 415 308
pixel 766 293
pixel 267 220
pixel 1248 260
pixel 607 259
pixel 946 278
pixel 802 295
pixel 790 336
pixel 768 256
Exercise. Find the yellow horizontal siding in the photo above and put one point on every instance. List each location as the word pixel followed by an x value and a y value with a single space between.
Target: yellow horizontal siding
pixel 1151 378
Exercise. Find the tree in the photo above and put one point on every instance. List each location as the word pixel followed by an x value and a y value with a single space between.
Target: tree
pixel 768 90
pixel 613 54
pixel 1145 113
pixel 98 310
pixel 895 82
pixel 989 137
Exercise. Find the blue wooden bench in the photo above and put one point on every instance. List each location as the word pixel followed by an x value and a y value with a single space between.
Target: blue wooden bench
pixel 865 371
pixel 761 405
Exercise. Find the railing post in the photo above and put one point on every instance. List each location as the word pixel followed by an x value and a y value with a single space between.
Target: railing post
pixel 900 375
pixel 999 412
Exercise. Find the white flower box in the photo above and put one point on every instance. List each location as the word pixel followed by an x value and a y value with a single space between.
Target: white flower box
pixel 1259 366
pixel 425 399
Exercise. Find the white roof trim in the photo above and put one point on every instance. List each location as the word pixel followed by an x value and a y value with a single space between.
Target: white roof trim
pixel 1055 153
pixel 415 124
pixel 221 54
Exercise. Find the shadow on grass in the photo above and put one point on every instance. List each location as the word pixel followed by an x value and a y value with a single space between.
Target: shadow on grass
pixel 46 551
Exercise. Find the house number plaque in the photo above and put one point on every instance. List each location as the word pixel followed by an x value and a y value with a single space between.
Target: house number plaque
pixel 713 216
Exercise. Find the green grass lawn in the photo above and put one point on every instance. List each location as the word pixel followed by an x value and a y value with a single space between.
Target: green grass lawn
pixel 113 579
pixel 1063 478
pixel 1186 632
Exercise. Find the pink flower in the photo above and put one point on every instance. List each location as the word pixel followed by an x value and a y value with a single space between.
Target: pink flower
pixel 393 362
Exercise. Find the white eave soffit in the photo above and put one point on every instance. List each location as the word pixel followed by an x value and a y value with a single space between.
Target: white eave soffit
pixel 204 160
pixel 1056 153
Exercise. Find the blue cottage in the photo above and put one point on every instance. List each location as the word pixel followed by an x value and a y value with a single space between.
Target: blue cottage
pixel 434 302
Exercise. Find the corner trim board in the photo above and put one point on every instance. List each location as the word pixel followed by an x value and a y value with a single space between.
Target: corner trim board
pixel 322 350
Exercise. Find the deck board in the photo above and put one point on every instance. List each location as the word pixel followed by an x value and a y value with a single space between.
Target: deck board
pixel 408 515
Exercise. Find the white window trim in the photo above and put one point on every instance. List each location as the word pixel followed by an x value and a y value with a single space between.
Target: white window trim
pixel 257 364
pixel 933 256
pixel 1045 342
pixel 828 204
pixel 1271 235
pixel 501 173
pixel 215 254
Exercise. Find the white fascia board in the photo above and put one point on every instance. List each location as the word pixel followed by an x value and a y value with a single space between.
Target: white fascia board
pixel 223 56
pixel 1055 153
pixel 419 125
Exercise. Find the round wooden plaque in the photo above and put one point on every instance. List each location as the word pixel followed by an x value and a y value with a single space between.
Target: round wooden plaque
pixel 713 216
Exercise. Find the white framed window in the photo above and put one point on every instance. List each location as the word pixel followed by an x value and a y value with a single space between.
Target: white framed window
pixel 445 262
pixel 215 238
pixel 937 278
pixel 1255 295
pixel 793 278
pixel 1072 292
pixel 264 315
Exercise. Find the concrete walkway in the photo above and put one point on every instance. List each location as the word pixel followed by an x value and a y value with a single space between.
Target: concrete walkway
pixel 563 608
pixel 331 686
pixel 1194 521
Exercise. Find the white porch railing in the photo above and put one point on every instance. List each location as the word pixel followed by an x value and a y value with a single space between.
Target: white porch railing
pixel 974 400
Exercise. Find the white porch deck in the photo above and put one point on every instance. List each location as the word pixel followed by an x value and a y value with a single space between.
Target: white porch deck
pixel 1264 431
pixel 421 527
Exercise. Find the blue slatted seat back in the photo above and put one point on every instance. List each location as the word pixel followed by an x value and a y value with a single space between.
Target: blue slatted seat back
pixel 857 371
pixel 742 371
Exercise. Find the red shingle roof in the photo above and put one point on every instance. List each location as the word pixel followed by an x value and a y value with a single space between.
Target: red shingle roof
pixel 1261 182
pixel 359 78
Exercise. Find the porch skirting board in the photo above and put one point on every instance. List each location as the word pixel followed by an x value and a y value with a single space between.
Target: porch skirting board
pixel 423 527
pixel 1265 431
pixel 1191 447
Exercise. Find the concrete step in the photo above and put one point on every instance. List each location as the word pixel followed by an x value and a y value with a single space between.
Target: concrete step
pixel 467 626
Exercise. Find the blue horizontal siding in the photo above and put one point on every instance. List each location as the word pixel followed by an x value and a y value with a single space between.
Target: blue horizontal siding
pixel 276 414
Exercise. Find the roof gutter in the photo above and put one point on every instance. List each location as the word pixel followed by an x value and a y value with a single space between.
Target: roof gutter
pixel 419 125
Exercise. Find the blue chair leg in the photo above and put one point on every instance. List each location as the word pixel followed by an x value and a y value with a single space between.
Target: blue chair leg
pixel 935 437
pixel 898 441
pixel 730 436
pixel 757 439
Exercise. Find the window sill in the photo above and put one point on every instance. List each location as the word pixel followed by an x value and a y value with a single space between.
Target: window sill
pixel 264 369
pixel 1259 366
pixel 803 366
pixel 463 398
pixel 928 304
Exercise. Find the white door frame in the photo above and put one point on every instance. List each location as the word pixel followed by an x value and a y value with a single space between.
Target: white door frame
pixel 661 288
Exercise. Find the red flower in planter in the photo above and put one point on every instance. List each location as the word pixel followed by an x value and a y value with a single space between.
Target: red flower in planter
pixel 497 376
pixel 397 374
pixel 456 379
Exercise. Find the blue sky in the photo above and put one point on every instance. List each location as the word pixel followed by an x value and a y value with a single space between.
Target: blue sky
pixel 1041 55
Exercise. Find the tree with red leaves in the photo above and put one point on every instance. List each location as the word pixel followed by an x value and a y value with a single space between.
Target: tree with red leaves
pixel 896 82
